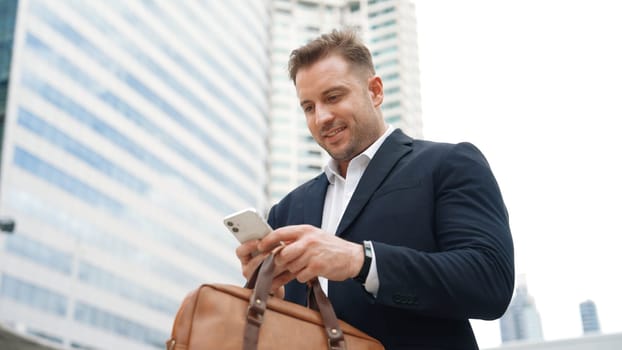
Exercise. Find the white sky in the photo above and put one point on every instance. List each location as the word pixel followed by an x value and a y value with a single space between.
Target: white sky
pixel 537 86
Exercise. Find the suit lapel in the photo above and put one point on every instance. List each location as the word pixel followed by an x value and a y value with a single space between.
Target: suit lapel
pixel 314 201
pixel 394 147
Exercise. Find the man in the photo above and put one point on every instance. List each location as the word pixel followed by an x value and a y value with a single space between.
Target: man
pixel 412 236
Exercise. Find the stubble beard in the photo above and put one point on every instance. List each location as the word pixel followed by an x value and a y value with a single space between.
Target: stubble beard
pixel 345 155
pixel 355 146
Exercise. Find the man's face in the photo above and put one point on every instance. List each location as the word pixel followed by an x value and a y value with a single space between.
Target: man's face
pixel 341 105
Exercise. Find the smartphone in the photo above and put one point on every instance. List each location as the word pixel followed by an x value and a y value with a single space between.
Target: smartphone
pixel 247 224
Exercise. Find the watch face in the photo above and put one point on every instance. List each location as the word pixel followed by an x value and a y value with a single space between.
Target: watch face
pixel 367 246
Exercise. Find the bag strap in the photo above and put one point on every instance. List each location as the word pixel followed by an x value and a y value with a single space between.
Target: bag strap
pixel 258 302
pixel 336 340
pixel 250 284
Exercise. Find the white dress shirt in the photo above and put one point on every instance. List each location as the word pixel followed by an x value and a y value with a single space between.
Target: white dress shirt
pixel 338 195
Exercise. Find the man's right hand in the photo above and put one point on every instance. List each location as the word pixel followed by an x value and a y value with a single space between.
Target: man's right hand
pixel 250 258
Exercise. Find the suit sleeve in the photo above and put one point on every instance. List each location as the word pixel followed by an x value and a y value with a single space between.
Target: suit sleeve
pixel 472 273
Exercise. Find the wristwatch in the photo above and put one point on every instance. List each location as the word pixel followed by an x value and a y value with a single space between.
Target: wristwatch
pixel 362 276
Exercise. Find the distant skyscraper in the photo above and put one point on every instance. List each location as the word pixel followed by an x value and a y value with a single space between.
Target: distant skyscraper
pixel 387 26
pixel 131 129
pixel 521 321
pixel 589 317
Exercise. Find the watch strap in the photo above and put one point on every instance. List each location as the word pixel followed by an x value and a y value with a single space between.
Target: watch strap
pixel 362 275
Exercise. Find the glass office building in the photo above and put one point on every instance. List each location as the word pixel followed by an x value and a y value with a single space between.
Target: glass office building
pixel 131 129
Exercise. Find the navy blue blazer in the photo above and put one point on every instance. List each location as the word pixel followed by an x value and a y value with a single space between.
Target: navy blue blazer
pixel 441 238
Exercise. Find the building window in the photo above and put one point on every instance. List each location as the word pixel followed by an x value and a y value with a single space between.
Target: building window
pixel 32 295
pixel 39 253
pixel 382 12
pixel 384 24
pixel 122 326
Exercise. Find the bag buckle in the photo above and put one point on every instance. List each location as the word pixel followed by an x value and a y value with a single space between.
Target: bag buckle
pixel 335 337
pixel 255 312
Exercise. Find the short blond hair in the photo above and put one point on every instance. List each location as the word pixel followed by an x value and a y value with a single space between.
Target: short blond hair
pixel 345 43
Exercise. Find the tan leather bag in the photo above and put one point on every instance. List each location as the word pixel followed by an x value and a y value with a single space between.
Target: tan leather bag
pixel 218 316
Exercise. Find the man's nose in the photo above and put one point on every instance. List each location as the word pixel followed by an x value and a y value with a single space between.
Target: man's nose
pixel 322 115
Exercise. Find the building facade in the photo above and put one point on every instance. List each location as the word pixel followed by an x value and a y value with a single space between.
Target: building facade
pixel 131 129
pixel 521 321
pixel 589 317
pixel 388 27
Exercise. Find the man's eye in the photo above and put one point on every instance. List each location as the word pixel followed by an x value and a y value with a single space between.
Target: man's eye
pixel 307 109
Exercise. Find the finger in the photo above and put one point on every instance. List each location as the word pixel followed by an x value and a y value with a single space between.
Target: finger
pixel 305 275
pixel 279 292
pixel 282 279
pixel 279 269
pixel 289 253
pixel 245 250
pixel 296 258
pixel 305 268
pixel 252 264
pixel 297 266
pixel 283 234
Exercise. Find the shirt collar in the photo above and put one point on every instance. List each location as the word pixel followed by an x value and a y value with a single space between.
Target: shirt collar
pixel 331 169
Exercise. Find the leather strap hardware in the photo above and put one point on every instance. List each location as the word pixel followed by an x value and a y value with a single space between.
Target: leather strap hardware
pixel 261 282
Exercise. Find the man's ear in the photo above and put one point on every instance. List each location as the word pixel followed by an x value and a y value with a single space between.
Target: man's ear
pixel 376 90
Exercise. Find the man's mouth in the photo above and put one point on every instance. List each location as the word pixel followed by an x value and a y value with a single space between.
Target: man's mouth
pixel 334 132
